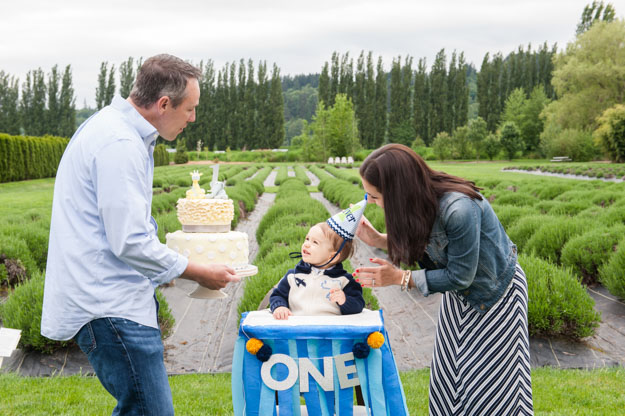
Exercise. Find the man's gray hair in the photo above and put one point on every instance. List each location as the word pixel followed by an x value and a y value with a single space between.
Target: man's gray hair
pixel 162 75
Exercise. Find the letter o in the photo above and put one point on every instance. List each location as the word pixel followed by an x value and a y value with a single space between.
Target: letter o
pixel 288 382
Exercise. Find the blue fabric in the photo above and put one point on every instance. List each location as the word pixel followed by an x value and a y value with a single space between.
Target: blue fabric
pixel 128 359
pixel 267 395
pixel 285 397
pixel 104 255
pixel 321 401
pixel 251 382
pixel 344 397
pixel 311 397
pixel 376 386
pixel 468 252
pixel 361 367
pixel 238 398
pixel 393 389
pixel 324 349
pixel 295 389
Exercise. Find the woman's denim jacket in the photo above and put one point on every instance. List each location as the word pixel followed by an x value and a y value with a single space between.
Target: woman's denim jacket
pixel 469 252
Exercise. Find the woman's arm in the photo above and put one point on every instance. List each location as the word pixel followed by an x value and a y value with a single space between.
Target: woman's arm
pixel 369 235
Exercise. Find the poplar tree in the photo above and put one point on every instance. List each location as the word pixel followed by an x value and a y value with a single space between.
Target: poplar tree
pixel 367 124
pixel 421 103
pixel 100 91
pixel 335 78
pixel 241 106
pixel 35 124
pixel 262 95
pixel 594 12
pixel 438 94
pixel 9 104
pixel 110 86
pixel 251 134
pixel 450 115
pixel 53 112
pixel 324 84
pixel 346 77
pixel 126 77
pixel 233 109
pixel 462 92
pixel 276 108
pixel 359 94
pixel 67 105
pixel 380 106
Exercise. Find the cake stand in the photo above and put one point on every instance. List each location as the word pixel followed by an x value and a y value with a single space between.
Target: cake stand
pixel 202 292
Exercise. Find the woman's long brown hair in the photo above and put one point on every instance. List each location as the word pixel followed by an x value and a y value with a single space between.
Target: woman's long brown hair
pixel 410 191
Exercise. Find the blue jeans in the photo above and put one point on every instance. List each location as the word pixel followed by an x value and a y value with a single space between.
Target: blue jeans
pixel 128 360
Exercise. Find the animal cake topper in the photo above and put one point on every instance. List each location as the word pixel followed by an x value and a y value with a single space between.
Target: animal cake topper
pixel 218 189
pixel 196 192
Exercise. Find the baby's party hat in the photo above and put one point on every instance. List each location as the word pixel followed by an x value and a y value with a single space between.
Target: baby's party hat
pixel 346 222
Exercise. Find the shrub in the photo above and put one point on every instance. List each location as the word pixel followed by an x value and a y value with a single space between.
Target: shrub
pixel 166 320
pixel 26 157
pixel 508 214
pixel 521 232
pixel 181 156
pixel 611 132
pixel 161 156
pixel 282 175
pixel 548 240
pixel 510 140
pixel 559 305
pixel 22 310
pixel 514 198
pixel 576 144
pixel 15 249
pixel 300 173
pixel 611 273
pixel 586 253
pixel 442 146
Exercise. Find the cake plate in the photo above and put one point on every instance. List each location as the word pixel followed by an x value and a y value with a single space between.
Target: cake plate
pixel 204 293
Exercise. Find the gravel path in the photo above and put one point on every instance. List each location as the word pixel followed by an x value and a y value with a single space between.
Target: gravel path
pixel 206 330
pixel 563 175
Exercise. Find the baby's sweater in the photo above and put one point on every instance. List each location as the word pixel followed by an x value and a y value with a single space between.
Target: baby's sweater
pixel 305 290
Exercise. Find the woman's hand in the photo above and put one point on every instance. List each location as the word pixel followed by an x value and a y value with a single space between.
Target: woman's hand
pixel 369 235
pixel 385 275
pixel 282 312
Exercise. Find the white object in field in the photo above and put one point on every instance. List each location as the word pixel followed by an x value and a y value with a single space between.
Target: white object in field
pixel 350 160
pixel 344 160
pixel 330 160
pixel 9 338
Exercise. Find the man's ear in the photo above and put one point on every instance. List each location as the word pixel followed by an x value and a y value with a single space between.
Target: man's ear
pixel 163 104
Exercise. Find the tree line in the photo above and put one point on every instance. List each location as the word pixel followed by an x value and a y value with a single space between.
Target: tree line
pixel 46 104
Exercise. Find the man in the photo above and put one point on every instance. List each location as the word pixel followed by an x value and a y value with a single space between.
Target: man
pixel 104 256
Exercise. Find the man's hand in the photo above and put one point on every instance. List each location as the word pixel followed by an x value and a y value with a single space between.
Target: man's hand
pixel 282 312
pixel 337 295
pixel 211 276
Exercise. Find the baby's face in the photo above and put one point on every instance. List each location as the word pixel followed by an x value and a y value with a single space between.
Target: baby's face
pixel 317 249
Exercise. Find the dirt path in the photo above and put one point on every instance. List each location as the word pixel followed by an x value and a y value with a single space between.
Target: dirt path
pixel 206 330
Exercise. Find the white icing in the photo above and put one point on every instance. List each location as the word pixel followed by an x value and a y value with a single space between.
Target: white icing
pixel 199 249
pixel 186 253
pixel 212 248
pixel 233 255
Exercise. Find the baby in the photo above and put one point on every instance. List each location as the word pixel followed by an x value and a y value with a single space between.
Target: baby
pixel 319 285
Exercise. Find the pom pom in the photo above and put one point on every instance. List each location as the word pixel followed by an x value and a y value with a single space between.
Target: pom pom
pixel 264 353
pixel 375 339
pixel 360 350
pixel 253 345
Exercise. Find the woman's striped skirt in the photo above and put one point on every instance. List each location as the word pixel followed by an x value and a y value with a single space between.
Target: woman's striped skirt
pixel 481 363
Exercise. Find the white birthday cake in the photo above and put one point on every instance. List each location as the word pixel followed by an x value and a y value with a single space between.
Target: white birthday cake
pixel 205 236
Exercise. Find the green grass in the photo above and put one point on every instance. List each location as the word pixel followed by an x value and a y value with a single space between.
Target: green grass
pixel 556 392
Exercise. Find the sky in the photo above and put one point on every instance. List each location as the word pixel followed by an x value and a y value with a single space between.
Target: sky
pixel 299 36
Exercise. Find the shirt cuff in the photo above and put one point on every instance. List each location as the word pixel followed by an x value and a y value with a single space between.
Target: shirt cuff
pixel 418 278
pixel 167 276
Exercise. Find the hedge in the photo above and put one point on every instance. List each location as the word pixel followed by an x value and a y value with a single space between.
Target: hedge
pixel 27 157
pixel 612 273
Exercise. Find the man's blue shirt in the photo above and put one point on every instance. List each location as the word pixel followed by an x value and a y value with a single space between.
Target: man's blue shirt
pixel 104 256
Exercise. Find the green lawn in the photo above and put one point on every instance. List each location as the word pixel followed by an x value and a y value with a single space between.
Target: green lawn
pixel 556 392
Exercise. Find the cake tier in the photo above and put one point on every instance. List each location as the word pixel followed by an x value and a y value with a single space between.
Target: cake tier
pixel 229 248
pixel 205 211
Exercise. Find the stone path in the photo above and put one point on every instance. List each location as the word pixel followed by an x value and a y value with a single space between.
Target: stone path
pixel 563 175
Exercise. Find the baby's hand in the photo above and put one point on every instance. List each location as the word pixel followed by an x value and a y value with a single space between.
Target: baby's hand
pixel 282 312
pixel 337 295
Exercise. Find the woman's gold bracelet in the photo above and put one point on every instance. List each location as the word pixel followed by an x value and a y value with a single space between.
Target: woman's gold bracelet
pixel 405 279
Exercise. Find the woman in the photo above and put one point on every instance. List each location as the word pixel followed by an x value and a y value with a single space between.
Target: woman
pixel 481 362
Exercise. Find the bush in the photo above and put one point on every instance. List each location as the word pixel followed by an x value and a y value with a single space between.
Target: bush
pixel 576 144
pixel 161 156
pixel 442 146
pixel 549 239
pixel 521 232
pixel 26 157
pixel 510 140
pixel 22 310
pixel 611 132
pixel 181 157
pixel 586 253
pixel 559 305
pixel 611 273
pixel 508 214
